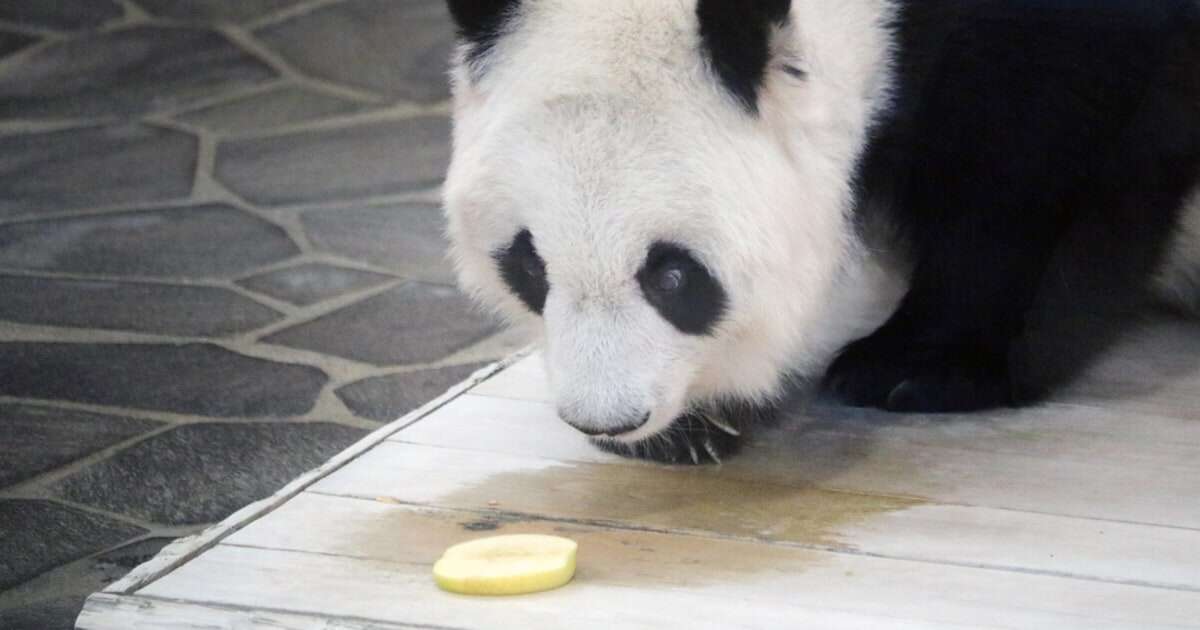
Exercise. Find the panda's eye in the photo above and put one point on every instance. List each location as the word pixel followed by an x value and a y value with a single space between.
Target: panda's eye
pixel 681 289
pixel 670 279
pixel 533 266
pixel 524 271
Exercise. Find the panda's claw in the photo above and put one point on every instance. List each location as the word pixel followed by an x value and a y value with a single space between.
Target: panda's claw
pixel 712 450
pixel 695 455
pixel 722 424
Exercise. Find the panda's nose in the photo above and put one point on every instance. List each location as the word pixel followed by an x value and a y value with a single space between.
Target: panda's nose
pixel 589 426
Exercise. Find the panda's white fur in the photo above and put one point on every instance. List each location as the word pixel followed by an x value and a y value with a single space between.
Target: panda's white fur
pixel 628 140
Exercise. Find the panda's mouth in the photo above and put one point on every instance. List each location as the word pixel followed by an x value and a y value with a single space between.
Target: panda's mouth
pixel 694 438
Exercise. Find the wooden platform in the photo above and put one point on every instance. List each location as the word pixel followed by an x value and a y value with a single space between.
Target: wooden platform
pixel 1083 513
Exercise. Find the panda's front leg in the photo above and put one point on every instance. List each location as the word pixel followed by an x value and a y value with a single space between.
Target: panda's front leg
pixel 899 369
pixel 948 346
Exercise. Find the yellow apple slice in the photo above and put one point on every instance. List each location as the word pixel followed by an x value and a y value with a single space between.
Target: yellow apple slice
pixel 507 565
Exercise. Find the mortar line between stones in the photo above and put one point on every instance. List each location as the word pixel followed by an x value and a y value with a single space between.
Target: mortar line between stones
pixel 19 127
pixel 430 195
pixel 166 281
pixel 133 11
pixel 35 31
pixel 27 489
pixel 287 309
pixel 399 111
pixel 245 40
pixel 339 370
pixel 223 98
pixel 172 419
pixel 288 13
pixel 176 203
pixel 319 310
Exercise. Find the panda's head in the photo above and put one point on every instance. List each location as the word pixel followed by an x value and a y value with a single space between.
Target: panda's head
pixel 665 185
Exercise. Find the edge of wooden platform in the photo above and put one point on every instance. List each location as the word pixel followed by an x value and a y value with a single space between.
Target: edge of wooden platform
pixel 177 553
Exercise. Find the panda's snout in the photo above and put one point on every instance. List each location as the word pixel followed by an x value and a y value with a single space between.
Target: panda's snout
pixel 589 427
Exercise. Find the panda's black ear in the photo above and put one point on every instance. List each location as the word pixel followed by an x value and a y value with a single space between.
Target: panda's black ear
pixel 479 21
pixel 736 36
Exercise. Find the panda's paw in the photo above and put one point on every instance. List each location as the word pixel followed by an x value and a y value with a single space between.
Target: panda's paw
pixel 913 378
pixel 693 440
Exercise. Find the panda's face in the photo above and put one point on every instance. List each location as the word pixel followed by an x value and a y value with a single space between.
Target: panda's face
pixel 678 249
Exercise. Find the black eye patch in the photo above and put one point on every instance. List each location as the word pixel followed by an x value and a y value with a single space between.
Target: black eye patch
pixel 524 271
pixel 681 289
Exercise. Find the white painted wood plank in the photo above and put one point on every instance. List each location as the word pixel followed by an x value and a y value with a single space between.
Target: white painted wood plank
pixel 1063 459
pixel 116 612
pixel 1154 369
pixel 523 380
pixel 711 501
pixel 637 579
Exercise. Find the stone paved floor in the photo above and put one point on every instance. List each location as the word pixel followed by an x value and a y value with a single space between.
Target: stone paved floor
pixel 221 262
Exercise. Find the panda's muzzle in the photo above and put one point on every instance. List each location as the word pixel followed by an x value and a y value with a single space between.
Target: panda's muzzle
pixel 610 430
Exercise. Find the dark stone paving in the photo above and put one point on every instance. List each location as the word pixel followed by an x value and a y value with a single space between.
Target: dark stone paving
pixel 315 282
pixel 363 160
pixel 198 379
pixel 64 15
pixel 34 440
pixel 96 166
pixel 51 601
pixel 39 535
pixel 387 398
pixel 279 107
pixel 12 42
pixel 413 323
pixel 105 234
pixel 125 73
pixel 361 46
pixel 200 473
pixel 196 242
pixel 133 306
pixel 56 614
pixel 214 10
pixel 408 238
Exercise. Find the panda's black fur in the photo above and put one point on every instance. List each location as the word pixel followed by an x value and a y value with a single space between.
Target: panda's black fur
pixel 1016 129
pixel 1013 123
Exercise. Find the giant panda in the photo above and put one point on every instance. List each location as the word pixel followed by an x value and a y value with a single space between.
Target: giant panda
pixel 703 202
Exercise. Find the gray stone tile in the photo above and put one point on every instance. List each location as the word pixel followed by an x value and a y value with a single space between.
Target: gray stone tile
pixel 287 105
pixel 53 600
pixel 202 473
pixel 386 398
pixel 58 613
pixel 198 379
pixel 397 49
pixel 356 161
pixel 312 283
pixel 36 536
pixel 214 10
pixel 125 73
pixel 195 242
pixel 413 323
pixel 134 306
pixel 34 440
pixel 95 166
pixel 12 42
pixel 408 238
pixel 63 15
